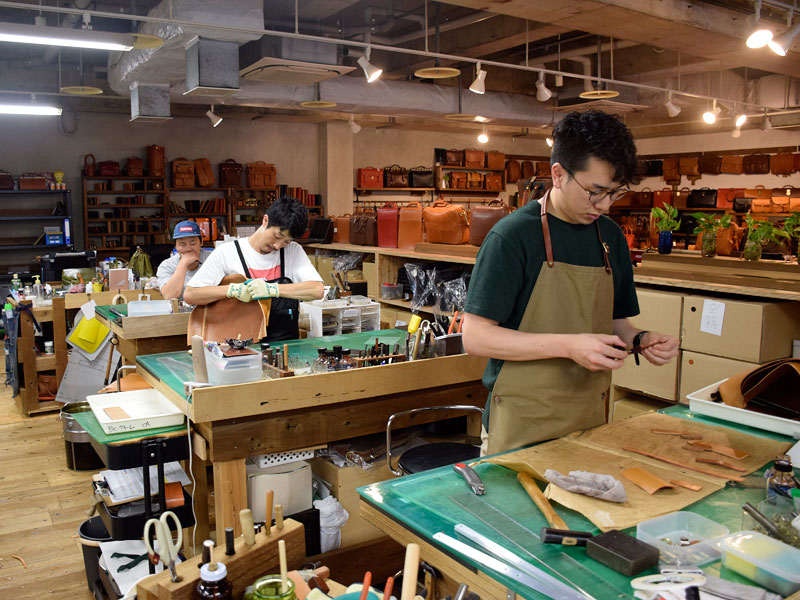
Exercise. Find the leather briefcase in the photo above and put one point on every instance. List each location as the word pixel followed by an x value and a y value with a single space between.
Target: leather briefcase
pixel 370 178
pixel 156 163
pixel 364 229
pixel 761 205
pixel 725 197
pixel 474 159
pixel 341 229
pixel 493 182
pixel 6 181
pixel 756 164
pixel 689 166
pixel 230 173
pixel 108 168
pixel 458 180
pixel 731 164
pixel 710 163
pixel 670 169
pixel 680 197
pixel 513 171
pixel 785 199
pixel 495 160
pixel 528 169
pixel 134 166
pixel 182 173
pixel 741 205
pixel 474 181
pixel 32 181
pixel 395 176
pixel 654 168
pixel 454 158
pixel 769 388
pixel 261 175
pixel 702 198
pixel 203 172
pixel 662 196
pixel 483 219
pixel 758 192
pixel 409 229
pixel 420 177
pixel 542 168
pixel 644 199
pixel 445 223
pixel 387 225
pixel 628 200
pixel 781 164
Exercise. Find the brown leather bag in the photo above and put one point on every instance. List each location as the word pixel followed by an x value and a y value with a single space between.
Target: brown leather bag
pixel 493 182
pixel 644 199
pixel 495 160
pixel 710 163
pixel 664 195
pixel 542 168
pixel 781 198
pixel 731 164
pixel 370 178
pixel 445 223
pixel 203 172
pixel 454 158
pixel 229 318
pixel 156 163
pixel 458 180
pixel 341 231
pixel 364 229
pixel 47 386
pixel 725 197
pixel 758 192
pixel 796 161
pixel 670 170
pixel 756 164
pixel 108 168
pixel 689 166
pixel 261 175
pixel 134 166
pixel 483 219
pixel 528 169
pixel 761 205
pixel 729 239
pixel 680 197
pixel 513 171
pixel 182 173
pixel 474 181
pixel 782 164
pixel 395 176
pixel 769 388
pixel 388 225
pixel 409 228
pixel 474 159
pixel 89 168
pixel 230 173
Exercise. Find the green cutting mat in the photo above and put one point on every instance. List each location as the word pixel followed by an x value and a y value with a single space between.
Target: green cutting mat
pixel 105 311
pixel 89 422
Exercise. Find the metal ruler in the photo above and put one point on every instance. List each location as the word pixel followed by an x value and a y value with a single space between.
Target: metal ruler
pixel 556 561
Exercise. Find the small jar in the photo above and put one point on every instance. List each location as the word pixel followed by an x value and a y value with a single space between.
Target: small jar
pixel 346 362
pixel 337 358
pixel 780 477
pixel 48 347
pixel 320 365
pixel 269 588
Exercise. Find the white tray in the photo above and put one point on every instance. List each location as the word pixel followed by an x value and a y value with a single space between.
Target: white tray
pixel 142 308
pixel 147 409
pixel 701 402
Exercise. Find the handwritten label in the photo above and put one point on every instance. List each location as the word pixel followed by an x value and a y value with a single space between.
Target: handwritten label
pixel 88 309
pixel 713 317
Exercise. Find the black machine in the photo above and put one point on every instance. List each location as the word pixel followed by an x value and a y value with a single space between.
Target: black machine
pixel 53 264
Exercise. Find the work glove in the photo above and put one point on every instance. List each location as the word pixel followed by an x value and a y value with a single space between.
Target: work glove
pixel 260 289
pixel 239 291
pixel 600 486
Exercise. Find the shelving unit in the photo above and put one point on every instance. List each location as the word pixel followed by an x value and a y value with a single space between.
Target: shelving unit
pixel 223 218
pixel 248 205
pixel 440 174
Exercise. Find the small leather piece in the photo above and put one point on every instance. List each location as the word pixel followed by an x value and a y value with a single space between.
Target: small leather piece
pixel 645 480
pixel 229 318
pixel 720 449
pixel 770 388
pixel 129 383
pixel 115 413
pixel 685 484
pixel 719 463
pixel 173 494
pixel 230 173
pixel 370 178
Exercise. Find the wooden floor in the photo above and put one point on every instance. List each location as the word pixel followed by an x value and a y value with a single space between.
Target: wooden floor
pixel 42 503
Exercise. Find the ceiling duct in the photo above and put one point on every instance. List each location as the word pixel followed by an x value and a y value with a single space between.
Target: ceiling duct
pixel 288 60
pixel 569 99
pixel 786 121
pixel 212 68
pixel 149 102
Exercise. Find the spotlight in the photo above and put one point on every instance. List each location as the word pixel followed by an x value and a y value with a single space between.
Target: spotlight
pixel 673 110
pixel 479 85
pixel 766 124
pixel 354 127
pixel 710 116
pixel 483 137
pixel 780 44
pixel 759 36
pixel 542 93
pixel 371 72
pixel 741 119
pixel 549 141
pixel 736 132
pixel 215 119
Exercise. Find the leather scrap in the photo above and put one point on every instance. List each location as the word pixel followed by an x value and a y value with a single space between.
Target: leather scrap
pixel 645 480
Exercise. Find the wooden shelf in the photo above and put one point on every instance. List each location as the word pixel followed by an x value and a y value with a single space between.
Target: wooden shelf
pixel 403 189
pixel 45 362
pixel 3 192
pixel 198 189
pixel 484 170
pixel 121 178
pixel 107 206
pixel 125 219
pixel 123 192
pixel 458 191
pixel 174 215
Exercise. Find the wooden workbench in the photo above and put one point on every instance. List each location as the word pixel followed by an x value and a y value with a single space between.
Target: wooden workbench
pixel 147 334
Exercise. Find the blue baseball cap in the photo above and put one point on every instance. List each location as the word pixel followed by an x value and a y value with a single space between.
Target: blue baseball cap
pixel 186 229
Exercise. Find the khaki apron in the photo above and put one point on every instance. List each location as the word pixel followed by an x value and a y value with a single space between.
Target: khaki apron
pixel 544 399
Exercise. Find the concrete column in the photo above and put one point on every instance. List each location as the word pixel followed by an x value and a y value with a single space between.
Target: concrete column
pixel 336 175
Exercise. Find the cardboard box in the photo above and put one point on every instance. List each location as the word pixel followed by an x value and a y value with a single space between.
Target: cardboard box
pixel 701 370
pixel 630 407
pixel 324 268
pixel 343 482
pixel 751 331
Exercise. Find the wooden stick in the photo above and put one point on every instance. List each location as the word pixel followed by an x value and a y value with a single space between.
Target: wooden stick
pixel 544 505
pixel 279 517
pixel 683 465
pixel 387 591
pixel 410 569
pixel 365 586
pixel 268 513
pixel 246 520
pixel 286 356
pixel 284 568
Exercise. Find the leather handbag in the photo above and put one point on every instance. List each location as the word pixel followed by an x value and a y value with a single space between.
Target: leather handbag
pixel 364 229
pixel 680 198
pixel 108 168
pixel 134 166
pixel 495 160
pixel 756 164
pixel 445 223
pixel 182 173
pixel 670 169
pixel 261 175
pixel 782 198
pixel 341 229
pixel 528 169
pixel 782 164
pixel 729 239
pixel 156 162
pixel 493 182
pixel 732 164
pixel 664 195
pixel 47 386
pixel 654 168
pixel 770 388
pixel 230 173
pixel 474 181
pixel 644 199
pixel 543 168
pixel 702 198
pixel 710 163
pixel 409 227
pixel 6 181
pixel 454 158
pixel 89 168
pixel 628 200
pixel 203 172
pixel 689 166
pixel 793 194
pixel 474 159
pixel 420 177
pixel 387 225
pixel 725 196
pixel 513 171
pixel 395 176
pixel 370 178
pixel 630 237
pixel 483 219
pixel 761 205
pixel 458 180
pixel 742 205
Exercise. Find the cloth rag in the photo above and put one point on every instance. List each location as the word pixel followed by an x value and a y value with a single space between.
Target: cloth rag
pixel 596 485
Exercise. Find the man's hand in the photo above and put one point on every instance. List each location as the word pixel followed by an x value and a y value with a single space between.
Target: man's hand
pixel 659 348
pixel 597 351
pixel 260 289
pixel 239 291
pixel 188 259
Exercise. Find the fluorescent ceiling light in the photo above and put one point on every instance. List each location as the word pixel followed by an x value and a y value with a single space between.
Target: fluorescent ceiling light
pixel 542 93
pixel 29 109
pixel 673 110
pixel 59 36
pixel 215 119
pixel 780 44
pixel 710 116
pixel 479 85
pixel 371 72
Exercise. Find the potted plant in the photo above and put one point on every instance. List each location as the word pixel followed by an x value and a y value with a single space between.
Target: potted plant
pixel 666 221
pixel 791 225
pixel 758 234
pixel 709 225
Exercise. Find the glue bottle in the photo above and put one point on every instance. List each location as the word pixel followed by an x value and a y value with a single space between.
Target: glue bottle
pixel 37 291
pixel 214 583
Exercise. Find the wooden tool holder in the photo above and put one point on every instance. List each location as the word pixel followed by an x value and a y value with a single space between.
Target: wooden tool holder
pixel 276 373
pixel 371 361
pixel 248 564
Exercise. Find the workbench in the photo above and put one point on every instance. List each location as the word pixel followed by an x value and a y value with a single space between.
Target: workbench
pixel 149 334
pixel 411 509
pixel 233 422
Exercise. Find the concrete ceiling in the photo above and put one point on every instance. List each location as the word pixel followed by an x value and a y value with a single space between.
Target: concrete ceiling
pixel 693 46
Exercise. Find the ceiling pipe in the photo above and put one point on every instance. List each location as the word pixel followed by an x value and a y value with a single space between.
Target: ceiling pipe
pixel 449 26
pixel 577 52
pixel 69 22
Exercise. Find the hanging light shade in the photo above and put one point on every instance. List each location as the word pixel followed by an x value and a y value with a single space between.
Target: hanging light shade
pixel 479 85
pixel 543 94
pixel 437 73
pixel 780 44
pixel 673 110
pixel 760 35
pixel 371 72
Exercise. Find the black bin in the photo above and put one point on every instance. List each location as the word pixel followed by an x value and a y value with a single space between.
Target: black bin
pixel 91 533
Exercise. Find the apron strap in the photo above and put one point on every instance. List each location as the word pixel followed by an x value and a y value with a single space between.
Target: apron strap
pixel 244 264
pixel 283 270
pixel 604 246
pixel 548 247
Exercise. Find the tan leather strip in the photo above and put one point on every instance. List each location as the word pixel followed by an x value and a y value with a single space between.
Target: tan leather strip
pixel 604 246
pixel 685 484
pixel 548 247
pixel 645 479
pixel 684 465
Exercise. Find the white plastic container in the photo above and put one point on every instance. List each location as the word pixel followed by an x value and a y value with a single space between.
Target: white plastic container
pixel 141 308
pixel 145 409
pixel 767 561
pixel 235 369
pixel 682 524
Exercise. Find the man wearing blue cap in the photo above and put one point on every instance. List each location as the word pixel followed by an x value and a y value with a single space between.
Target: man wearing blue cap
pixel 175 272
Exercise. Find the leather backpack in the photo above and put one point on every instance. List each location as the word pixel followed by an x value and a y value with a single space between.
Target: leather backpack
pixel 483 219
pixel 670 169
pixel 445 223
pixel 230 173
pixel 182 173
pixel 528 169
pixel 387 225
pixel 495 160
pixel 689 166
pixel 513 171
pixel 409 228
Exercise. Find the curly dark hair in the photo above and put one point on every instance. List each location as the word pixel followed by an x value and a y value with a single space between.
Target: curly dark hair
pixel 579 136
pixel 288 213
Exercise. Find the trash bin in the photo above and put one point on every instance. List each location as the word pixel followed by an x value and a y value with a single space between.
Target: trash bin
pixel 77 444
pixel 91 533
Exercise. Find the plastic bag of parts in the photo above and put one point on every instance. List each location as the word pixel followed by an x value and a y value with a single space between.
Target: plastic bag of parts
pixel 332 517
pixel 348 262
pixel 422 284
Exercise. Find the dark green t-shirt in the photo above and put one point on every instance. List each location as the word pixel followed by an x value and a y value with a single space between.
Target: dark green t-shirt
pixel 511 256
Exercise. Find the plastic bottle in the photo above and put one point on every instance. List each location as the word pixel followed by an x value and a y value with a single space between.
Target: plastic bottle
pixel 346 362
pixel 16 284
pixel 214 583
pixel 37 291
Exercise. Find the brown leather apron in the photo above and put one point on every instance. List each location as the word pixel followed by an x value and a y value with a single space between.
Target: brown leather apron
pixel 544 399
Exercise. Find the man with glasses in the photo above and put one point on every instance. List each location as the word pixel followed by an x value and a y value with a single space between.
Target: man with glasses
pixel 552 291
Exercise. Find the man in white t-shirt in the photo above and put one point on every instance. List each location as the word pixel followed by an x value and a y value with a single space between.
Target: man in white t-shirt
pixel 174 273
pixel 273 265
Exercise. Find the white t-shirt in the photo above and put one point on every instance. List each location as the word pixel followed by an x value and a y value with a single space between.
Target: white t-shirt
pixel 225 261
pixel 167 268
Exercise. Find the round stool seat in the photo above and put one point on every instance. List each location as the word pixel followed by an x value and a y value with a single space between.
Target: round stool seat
pixel 435 455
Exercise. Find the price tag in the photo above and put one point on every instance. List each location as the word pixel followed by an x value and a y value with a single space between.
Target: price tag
pixel 88 309
pixel 713 317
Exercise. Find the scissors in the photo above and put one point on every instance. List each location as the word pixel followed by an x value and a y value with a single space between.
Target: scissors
pixel 169 549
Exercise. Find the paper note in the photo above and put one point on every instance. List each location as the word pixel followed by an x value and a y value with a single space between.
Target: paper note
pixel 88 309
pixel 127 484
pixel 713 317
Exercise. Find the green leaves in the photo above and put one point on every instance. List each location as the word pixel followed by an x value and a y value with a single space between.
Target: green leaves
pixel 763 231
pixel 709 223
pixel 791 225
pixel 666 218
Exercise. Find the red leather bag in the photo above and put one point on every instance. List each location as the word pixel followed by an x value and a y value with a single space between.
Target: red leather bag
pixel 370 178
pixel 445 223
pixel 108 168
pixel 409 228
pixel 661 196
pixel 483 219
pixel 388 225
pixel 725 197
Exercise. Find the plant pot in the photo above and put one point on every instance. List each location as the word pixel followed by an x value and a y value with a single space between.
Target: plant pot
pixel 709 246
pixel 752 250
pixel 664 242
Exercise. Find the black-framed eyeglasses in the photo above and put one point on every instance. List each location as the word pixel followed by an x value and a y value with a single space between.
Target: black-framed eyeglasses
pixel 597 196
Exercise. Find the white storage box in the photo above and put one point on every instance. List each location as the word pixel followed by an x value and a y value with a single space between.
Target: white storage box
pixel 701 403
pixel 682 524
pixel 291 484
pixel 769 562
pixel 120 412
pixel 141 308
pixel 233 369
pixel 352 314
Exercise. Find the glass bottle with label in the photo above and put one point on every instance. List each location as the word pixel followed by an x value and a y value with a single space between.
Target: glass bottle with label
pixel 214 583
pixel 269 588
pixel 347 361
